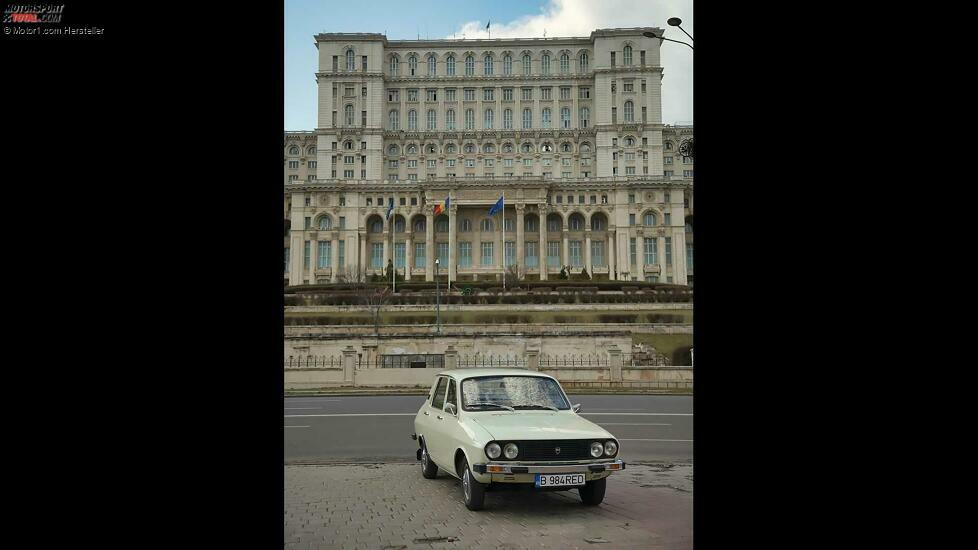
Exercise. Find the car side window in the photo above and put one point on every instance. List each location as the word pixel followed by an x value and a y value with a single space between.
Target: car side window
pixel 451 394
pixel 438 401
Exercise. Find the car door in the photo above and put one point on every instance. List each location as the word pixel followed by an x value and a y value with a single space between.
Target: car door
pixel 442 424
pixel 451 429
pixel 430 422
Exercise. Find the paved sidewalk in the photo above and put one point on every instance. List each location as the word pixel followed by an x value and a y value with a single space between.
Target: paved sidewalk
pixel 390 506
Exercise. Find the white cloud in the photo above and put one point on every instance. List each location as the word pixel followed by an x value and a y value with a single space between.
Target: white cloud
pixel 580 17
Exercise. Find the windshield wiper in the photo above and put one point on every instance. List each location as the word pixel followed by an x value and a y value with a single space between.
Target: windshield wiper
pixel 484 404
pixel 535 406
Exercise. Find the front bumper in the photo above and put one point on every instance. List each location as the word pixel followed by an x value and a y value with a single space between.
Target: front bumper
pixel 548 468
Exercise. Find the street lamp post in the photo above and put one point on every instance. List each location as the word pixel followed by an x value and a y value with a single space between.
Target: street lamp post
pixel 687 147
pixel 437 300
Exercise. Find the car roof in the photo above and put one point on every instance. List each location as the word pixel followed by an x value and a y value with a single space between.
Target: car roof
pixel 461 374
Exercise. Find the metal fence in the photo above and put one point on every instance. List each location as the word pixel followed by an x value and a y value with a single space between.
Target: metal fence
pixel 500 361
pixel 575 361
pixel 313 362
pixel 403 361
pixel 645 360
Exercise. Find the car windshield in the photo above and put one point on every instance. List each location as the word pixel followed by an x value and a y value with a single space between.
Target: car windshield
pixel 494 393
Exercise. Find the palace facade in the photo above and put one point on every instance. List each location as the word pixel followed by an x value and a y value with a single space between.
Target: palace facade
pixel 567 130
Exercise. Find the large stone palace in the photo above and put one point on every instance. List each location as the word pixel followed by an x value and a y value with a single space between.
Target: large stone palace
pixel 567 130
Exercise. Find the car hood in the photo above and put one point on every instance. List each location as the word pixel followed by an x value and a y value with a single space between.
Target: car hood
pixel 524 425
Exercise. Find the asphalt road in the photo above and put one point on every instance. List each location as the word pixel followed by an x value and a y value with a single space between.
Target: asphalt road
pixel 322 430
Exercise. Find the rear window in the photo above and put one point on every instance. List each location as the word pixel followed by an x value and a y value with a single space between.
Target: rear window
pixel 438 401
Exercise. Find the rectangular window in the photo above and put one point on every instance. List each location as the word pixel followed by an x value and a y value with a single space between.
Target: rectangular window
pixel 667 160
pixel 487 94
pixel 341 253
pixel 364 64
pixel 527 94
pixel 336 63
pixel 584 92
pixel 597 253
pixel 629 170
pixel 687 173
pixel 363 91
pixel 553 253
pixel 631 249
pixel 305 255
pixel 565 92
pixel 431 163
pixel 464 254
pixel 399 251
pixel 307 222
pixel 631 219
pixel 469 94
pixel 443 255
pixel 530 254
pixel 392 95
pixel 363 118
pixel 628 86
pixel 612 59
pixel 450 94
pixel 342 222
pixel 412 95
pixel 668 250
pixel 509 248
pixel 668 216
pixel 507 94
pixel 486 258
pixel 286 260
pixel 651 253
pixel 545 94
pixel 419 255
pixel 431 95
pixel 377 256
pixel 631 198
pixel 576 259
pixel 641 54
pixel 323 255
pixel 689 256
pixel 527 162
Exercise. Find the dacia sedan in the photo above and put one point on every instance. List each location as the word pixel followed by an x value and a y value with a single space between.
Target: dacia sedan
pixel 498 428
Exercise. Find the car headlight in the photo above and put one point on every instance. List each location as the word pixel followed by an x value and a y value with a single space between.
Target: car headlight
pixel 610 448
pixel 493 450
pixel 511 450
pixel 596 449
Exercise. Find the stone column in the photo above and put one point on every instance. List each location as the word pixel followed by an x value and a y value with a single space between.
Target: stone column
pixel 661 257
pixel 533 359
pixel 362 237
pixel 565 258
pixel 388 253
pixel 429 233
pixel 349 365
pixel 542 247
pixel 520 260
pixel 295 259
pixel 408 257
pixel 610 247
pixel 587 252
pixel 616 363
pixel 451 357
pixel 334 258
pixel 313 256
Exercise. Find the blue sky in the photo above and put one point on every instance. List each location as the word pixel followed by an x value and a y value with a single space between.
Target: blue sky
pixel 510 18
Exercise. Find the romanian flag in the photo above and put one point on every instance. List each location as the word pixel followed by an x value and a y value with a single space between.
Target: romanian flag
pixel 439 208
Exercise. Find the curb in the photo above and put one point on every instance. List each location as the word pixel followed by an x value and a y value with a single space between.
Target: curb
pixel 424 391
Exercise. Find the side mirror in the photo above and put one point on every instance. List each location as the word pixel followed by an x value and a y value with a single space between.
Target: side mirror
pixel 577 408
pixel 450 409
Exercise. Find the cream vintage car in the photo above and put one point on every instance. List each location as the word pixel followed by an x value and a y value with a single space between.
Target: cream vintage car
pixel 503 428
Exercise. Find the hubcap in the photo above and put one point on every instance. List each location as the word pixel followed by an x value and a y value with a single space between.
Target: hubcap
pixel 466 485
pixel 424 459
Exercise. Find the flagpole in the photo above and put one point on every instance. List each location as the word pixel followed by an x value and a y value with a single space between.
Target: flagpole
pixel 393 252
pixel 503 209
pixel 448 213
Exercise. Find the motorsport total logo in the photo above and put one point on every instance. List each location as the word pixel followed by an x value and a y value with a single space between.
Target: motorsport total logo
pixel 33 13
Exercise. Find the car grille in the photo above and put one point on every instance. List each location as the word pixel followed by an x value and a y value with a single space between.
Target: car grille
pixel 570 449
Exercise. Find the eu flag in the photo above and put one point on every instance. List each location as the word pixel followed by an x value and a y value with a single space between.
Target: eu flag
pixel 496 208
pixel 390 208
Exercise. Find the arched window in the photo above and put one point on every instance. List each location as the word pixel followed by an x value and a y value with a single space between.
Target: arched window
pixel 668 146
pixel 469 65
pixel 441 224
pixel 554 223
pixel 487 121
pixel 585 117
pixel 469 147
pixel 412 65
pixel 629 111
pixel 311 150
pixel 508 64
pixel 431 119
pixel 545 121
pixel 597 223
pixel 486 226
pixel 626 55
pixel 399 225
pixel 649 219
pixel 564 63
pixel 450 65
pixel 583 63
pixel 629 141
pixel 489 148
pixel 487 65
pixel 432 65
pixel 419 225
pixel 450 119
pixel 293 150
pixel 466 225
pixel 348 115
pixel 530 224
pixel 546 148
pixel 348 145
pixel 575 223
pixel 450 148
pixel 325 223
pixel 585 147
pixel 395 66
pixel 545 64
pixel 565 117
pixel 393 150
pixel 432 149
pixel 469 119
pixel 377 226
pixel 527 119
pixel 508 119
pixel 566 147
pixel 527 147
pixel 412 149
pixel 350 61
pixel 526 64
pixel 393 120
pixel 507 147
pixel 412 120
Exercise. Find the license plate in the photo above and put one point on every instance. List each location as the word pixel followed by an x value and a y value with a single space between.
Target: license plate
pixel 559 480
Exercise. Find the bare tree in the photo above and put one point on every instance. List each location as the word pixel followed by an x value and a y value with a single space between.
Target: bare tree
pixel 513 276
pixel 373 296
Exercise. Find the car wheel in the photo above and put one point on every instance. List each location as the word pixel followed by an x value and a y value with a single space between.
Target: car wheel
pixel 428 468
pixel 593 491
pixel 473 492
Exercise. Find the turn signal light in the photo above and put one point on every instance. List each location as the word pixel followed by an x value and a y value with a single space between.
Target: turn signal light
pixel 495 469
pixel 614 467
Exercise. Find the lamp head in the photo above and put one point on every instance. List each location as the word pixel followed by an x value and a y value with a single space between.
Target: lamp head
pixel 649 35
pixel 675 21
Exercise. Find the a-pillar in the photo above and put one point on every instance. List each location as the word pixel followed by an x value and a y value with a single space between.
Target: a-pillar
pixel 430 246
pixel 519 260
pixel 314 256
pixel 542 245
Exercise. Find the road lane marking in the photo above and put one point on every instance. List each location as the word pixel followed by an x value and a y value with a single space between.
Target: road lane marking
pixel 302 408
pixel 296 426
pixel 635 414
pixel 348 414
pixel 633 424
pixel 678 440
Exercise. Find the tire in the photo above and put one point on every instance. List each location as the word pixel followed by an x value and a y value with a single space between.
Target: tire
pixel 428 468
pixel 473 492
pixel 593 492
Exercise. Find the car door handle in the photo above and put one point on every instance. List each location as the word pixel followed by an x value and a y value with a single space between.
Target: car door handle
pixel 426 413
pixel 438 417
